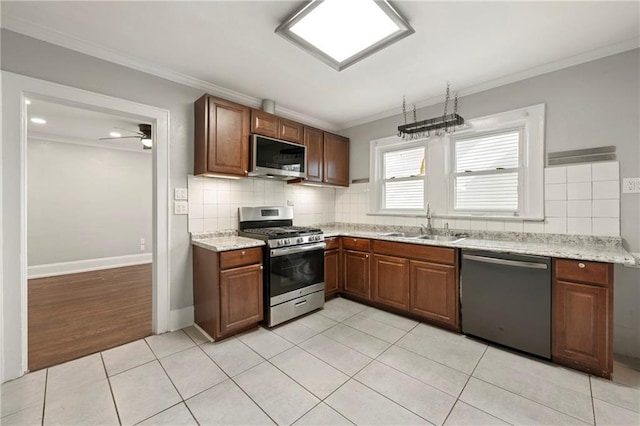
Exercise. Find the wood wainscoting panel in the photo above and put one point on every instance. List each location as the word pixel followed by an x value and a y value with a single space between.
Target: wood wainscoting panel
pixel 70 316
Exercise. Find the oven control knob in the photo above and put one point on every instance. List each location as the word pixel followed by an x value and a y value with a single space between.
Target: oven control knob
pixel 281 242
pixel 300 240
pixel 287 241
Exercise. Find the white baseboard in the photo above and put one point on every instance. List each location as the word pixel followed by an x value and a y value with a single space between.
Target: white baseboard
pixel 180 318
pixel 64 268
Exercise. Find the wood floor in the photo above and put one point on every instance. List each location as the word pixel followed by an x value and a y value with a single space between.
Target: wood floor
pixel 70 316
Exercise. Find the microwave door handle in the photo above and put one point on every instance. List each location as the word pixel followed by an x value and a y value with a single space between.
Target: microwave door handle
pixel 297 249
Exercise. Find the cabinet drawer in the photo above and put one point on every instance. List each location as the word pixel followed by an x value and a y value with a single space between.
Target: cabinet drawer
pixel 415 251
pixel 235 258
pixel 332 243
pixel 360 244
pixel 580 270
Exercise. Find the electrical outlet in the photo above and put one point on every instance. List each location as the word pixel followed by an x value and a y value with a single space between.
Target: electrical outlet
pixel 631 185
pixel 180 207
pixel 180 194
pixel 141 241
pixel 141 247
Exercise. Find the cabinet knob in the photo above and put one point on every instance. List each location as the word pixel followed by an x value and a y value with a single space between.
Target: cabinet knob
pixel 581 265
pixel 246 171
pixel 261 267
pixel 366 255
pixel 243 252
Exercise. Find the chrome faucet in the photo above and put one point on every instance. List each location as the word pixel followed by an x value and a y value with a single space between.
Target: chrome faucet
pixel 446 229
pixel 429 228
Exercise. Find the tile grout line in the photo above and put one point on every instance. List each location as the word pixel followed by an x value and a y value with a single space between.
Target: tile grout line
pixel 465 385
pixel 44 397
pixel 113 397
pixel 593 405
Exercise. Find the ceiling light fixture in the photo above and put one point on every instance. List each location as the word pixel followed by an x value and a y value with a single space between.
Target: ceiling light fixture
pixel 341 33
pixel 38 120
pixel 147 142
pixel 27 102
pixel 115 134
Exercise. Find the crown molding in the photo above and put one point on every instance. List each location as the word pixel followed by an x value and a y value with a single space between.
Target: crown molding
pixel 45 137
pixel 79 45
pixel 591 55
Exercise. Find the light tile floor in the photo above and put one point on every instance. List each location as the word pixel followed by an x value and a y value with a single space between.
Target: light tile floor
pixel 346 364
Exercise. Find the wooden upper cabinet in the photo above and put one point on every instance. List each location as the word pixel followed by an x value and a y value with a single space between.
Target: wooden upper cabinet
pixel 314 141
pixel 265 124
pixel 221 137
pixel 336 159
pixel 290 131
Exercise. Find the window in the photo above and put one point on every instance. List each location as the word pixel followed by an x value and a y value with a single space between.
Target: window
pixel 400 176
pixel 486 172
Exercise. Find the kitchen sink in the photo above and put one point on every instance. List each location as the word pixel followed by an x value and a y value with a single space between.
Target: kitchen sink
pixel 393 234
pixel 444 238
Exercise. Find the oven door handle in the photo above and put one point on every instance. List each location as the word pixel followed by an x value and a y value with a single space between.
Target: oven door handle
pixel 297 249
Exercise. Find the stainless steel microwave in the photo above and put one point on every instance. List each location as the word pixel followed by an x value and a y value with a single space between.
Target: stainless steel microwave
pixel 279 159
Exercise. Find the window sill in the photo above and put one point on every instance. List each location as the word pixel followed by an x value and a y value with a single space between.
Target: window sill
pixel 509 218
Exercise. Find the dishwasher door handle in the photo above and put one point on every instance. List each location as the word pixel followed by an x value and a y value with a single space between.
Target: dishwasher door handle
pixel 516 263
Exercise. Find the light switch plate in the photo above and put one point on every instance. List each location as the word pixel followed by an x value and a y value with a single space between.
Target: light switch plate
pixel 631 185
pixel 180 193
pixel 180 207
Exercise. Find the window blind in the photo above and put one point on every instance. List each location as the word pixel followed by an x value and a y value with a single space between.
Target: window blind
pixel 403 179
pixel 487 173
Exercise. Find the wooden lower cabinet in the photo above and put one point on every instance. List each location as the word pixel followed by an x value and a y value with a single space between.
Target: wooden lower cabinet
pixel 356 266
pixel 582 323
pixel 227 290
pixel 434 292
pixel 241 304
pixel 331 272
pixel 391 281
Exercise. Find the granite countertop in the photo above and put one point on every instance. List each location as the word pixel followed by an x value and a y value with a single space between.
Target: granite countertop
pixel 224 242
pixel 608 253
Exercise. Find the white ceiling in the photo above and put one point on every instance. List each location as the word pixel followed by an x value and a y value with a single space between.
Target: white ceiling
pixel 232 45
pixel 69 124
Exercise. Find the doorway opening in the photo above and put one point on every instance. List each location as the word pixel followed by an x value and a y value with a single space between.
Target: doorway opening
pixel 89 231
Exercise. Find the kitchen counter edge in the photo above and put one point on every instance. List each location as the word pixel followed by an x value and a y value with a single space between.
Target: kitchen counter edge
pixel 226 243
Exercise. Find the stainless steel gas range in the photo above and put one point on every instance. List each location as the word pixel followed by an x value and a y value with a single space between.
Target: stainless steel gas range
pixel 293 261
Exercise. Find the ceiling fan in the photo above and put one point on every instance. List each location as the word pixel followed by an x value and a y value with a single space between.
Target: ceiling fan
pixel 144 134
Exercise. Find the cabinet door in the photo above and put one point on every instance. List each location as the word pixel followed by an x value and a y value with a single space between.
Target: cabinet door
pixel 228 137
pixel 240 298
pixel 434 292
pixel 336 159
pixel 331 272
pixel 356 273
pixel 391 281
pixel 580 324
pixel 314 141
pixel 290 130
pixel 263 123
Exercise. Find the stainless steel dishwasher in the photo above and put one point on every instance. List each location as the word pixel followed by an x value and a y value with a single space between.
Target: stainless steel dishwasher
pixel 506 298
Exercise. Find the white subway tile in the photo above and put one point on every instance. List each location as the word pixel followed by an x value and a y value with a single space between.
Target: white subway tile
pixel 210 224
pixel 535 227
pixel 605 226
pixel 210 211
pixel 578 208
pixel 210 184
pixel 196 211
pixel 555 175
pixel 224 211
pixel 579 173
pixel 478 225
pixel 210 197
pixel 196 196
pixel 609 170
pixel 579 191
pixel 513 226
pixel 196 225
pixel 225 223
pixel 495 225
pixel 555 225
pixel 606 190
pixel 579 225
pixel 463 224
pixel 606 208
pixel 555 208
pixel 194 182
pixel 555 191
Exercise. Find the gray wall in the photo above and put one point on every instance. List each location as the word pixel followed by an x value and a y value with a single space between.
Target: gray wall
pixel 588 105
pixel 86 202
pixel 35 58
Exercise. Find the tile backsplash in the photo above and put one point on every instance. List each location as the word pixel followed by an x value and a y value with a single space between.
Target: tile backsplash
pixel 213 203
pixel 581 199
